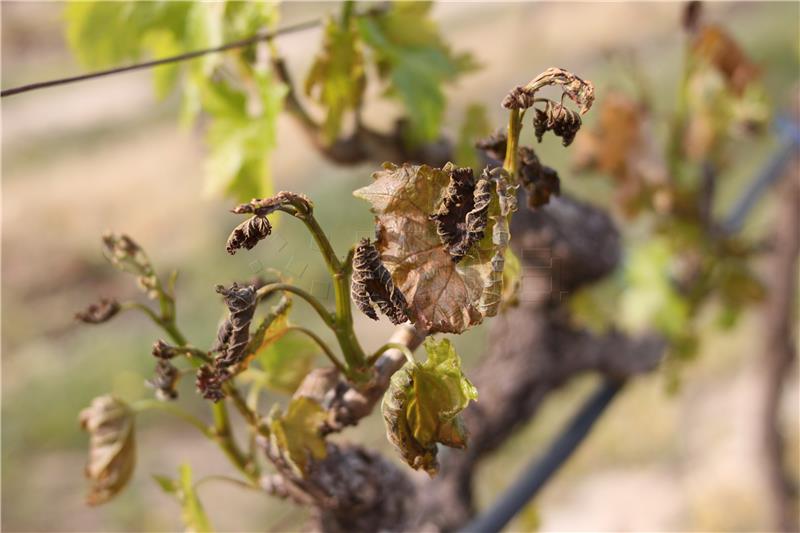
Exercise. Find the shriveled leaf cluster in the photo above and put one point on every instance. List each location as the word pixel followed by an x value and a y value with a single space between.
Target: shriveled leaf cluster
pixel 422 405
pixel 443 295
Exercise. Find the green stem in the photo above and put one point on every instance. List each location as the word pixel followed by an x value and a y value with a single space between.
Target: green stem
pixel 514 129
pixel 223 435
pixel 322 344
pixel 128 306
pixel 324 314
pixel 150 404
pixel 343 319
pixel 393 346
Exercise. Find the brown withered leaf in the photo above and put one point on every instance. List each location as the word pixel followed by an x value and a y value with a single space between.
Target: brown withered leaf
pixel 714 45
pixel 442 295
pixel 623 145
pixel 112 448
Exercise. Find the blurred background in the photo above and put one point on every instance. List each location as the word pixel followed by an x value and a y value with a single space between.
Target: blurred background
pixel 107 155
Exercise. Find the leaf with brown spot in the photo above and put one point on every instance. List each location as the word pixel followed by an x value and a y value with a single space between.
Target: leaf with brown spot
pixel 442 295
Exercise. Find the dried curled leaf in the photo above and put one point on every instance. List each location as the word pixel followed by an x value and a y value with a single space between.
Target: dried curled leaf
pixel 442 295
pixel 164 381
pixel 112 448
pixel 337 78
pixel 99 312
pixel 296 433
pixel 422 404
pixel 234 333
pixel 462 216
pixel 162 350
pixel 256 228
pixel 247 234
pixel 209 382
pixel 372 282
pixel 540 181
pixel 563 122
pixel 577 89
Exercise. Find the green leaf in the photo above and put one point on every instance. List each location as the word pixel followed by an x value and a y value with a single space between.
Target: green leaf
pixel 242 136
pixel 296 433
pixel 167 484
pixel 651 297
pixel 192 513
pixel 242 132
pixel 337 79
pixel 103 34
pixel 422 405
pixel 413 58
pixel 194 516
pixel 475 127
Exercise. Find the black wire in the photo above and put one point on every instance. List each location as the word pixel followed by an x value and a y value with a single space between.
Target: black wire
pixel 265 36
pixel 541 469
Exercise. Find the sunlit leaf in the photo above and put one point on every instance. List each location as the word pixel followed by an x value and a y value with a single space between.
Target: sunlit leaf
pixel 443 295
pixel 296 433
pixel 474 127
pixel 413 58
pixel 242 111
pixel 422 405
pixel 337 78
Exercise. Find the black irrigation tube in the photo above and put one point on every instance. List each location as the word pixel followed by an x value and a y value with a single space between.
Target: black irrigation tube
pixel 541 469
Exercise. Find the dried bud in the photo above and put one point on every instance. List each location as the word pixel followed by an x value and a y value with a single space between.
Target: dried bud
pixel 162 350
pixel 563 122
pixel 112 450
pixel 164 381
pixel 540 181
pixel 125 254
pixel 209 382
pixel 494 146
pixel 518 98
pixel 248 234
pixel 100 312
pixel 578 90
pixel 235 331
pixel 371 281
pixel 462 216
